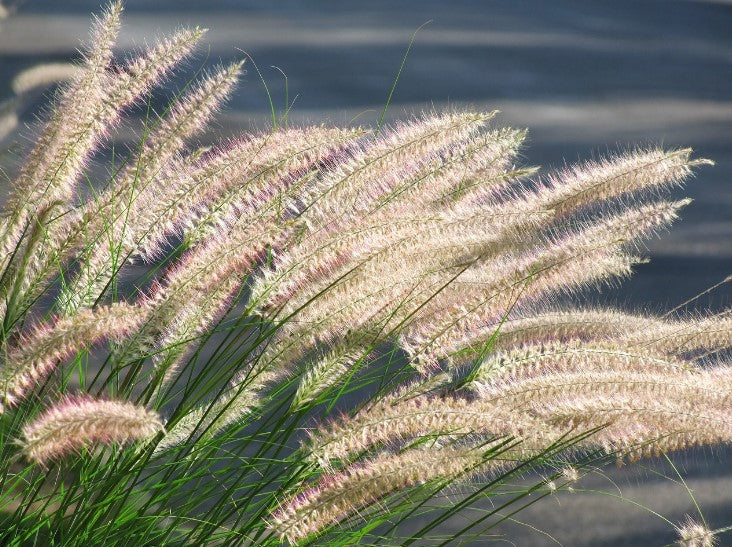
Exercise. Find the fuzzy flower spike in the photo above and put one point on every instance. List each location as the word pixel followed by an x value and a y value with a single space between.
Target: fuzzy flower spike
pixel 80 422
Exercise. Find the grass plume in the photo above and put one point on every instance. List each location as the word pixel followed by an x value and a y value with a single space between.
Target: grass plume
pixel 267 339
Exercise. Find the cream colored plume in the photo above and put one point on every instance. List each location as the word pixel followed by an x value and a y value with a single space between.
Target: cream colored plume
pixel 342 494
pixel 40 76
pixel 37 353
pixel 80 422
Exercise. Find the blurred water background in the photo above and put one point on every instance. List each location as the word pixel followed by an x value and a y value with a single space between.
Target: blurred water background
pixel 586 77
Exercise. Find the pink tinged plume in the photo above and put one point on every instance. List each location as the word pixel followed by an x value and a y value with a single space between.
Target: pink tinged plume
pixel 70 138
pixel 208 419
pixel 124 215
pixel 481 160
pixel 709 334
pixel 80 422
pixel 572 356
pixel 184 304
pixel 58 154
pixel 65 139
pixel 495 175
pixel 384 213
pixel 49 180
pixel 189 323
pixel 642 412
pixel 394 419
pixel 342 494
pixel 580 185
pixel 261 177
pixel 356 182
pixel 668 337
pixel 327 371
pixel 36 354
pixel 148 173
pixel 429 241
pixel 483 292
pixel 249 227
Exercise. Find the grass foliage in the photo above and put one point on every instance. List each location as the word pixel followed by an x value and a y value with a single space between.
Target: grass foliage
pixel 315 334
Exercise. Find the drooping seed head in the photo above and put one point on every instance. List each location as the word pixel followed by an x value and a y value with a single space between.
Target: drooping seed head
pixel 79 422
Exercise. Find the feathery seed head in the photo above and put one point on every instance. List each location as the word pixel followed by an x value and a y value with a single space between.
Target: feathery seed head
pixel 594 181
pixel 345 190
pixel 548 326
pixel 36 354
pixel 573 356
pixel 695 534
pixel 342 494
pixel 327 371
pixel 394 419
pixel 428 234
pixel 44 75
pixel 78 422
pixel 104 33
pixel 208 419
pixel 129 218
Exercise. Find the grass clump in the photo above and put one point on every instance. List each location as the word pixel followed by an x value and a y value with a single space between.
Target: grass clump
pixel 417 281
